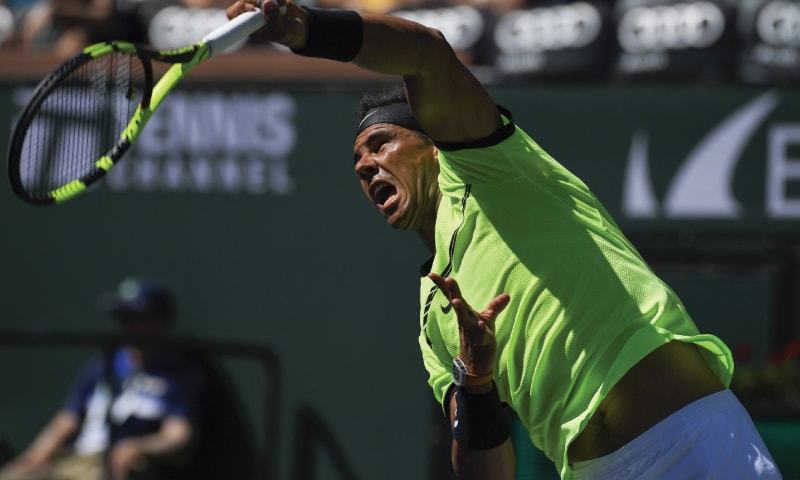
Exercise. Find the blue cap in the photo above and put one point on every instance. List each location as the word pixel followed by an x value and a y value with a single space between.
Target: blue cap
pixel 141 296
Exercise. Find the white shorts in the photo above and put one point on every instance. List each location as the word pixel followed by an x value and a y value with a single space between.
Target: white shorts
pixel 711 438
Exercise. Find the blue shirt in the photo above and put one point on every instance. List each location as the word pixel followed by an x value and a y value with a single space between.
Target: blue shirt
pixel 129 401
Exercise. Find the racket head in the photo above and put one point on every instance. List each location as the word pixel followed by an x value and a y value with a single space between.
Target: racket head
pixel 73 129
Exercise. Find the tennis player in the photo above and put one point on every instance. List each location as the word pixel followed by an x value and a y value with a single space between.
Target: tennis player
pixel 533 297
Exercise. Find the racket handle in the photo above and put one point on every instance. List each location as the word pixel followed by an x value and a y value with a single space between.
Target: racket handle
pixel 235 30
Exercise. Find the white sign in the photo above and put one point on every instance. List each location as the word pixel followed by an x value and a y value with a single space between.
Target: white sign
pixel 703 185
pixel 213 142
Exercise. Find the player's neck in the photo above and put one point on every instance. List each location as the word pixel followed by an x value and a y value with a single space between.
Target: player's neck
pixel 428 230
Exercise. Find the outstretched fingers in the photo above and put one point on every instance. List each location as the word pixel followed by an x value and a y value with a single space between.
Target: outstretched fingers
pixel 466 315
pixel 450 289
pixel 439 281
pixel 496 306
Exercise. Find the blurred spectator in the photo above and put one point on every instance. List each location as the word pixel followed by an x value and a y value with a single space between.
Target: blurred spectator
pixel 378 6
pixel 131 413
pixel 504 6
pixel 496 6
pixel 66 26
pixel 6 23
pixel 221 4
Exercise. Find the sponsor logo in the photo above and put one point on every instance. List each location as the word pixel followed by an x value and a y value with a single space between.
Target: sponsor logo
pixel 779 57
pixel 778 36
pixel 670 27
pixel 205 142
pixel 778 24
pixel 462 26
pixel 570 26
pixel 213 142
pixel 446 308
pixel 703 185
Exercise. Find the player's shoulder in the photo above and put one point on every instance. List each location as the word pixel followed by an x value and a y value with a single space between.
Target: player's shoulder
pixel 505 131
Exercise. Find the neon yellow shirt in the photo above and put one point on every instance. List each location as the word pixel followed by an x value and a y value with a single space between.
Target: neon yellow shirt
pixel 585 307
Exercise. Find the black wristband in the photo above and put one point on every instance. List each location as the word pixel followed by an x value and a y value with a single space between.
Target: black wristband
pixel 333 34
pixel 479 421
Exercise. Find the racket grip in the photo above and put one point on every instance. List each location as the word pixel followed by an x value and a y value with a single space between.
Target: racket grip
pixel 235 30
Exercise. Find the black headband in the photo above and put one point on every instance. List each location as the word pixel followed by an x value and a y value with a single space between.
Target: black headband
pixel 399 114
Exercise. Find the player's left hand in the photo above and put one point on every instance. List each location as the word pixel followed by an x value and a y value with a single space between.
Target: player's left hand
pixel 476 329
pixel 287 23
pixel 126 455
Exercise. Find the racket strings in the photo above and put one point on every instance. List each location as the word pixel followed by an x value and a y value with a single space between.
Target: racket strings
pixel 79 120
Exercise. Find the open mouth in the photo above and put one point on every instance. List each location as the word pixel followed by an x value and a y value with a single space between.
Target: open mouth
pixel 381 193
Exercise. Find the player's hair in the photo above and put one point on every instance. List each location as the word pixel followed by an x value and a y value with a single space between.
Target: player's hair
pixel 396 94
pixel 393 95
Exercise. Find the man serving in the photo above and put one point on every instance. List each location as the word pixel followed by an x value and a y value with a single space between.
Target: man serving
pixel 533 297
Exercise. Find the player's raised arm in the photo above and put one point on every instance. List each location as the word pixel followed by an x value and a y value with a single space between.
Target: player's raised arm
pixel 448 101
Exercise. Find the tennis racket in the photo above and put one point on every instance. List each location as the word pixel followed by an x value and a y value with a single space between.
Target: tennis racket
pixel 87 113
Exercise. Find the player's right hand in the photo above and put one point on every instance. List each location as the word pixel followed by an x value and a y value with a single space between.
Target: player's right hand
pixel 478 347
pixel 287 23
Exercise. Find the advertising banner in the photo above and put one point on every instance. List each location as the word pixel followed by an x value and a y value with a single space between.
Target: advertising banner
pixel 770 32
pixel 676 39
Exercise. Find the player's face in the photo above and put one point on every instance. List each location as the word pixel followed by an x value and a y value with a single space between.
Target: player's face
pixel 398 171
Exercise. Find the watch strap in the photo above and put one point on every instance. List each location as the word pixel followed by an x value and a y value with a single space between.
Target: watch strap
pixel 462 377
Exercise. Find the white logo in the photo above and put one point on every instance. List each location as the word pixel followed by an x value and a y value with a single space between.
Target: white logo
pixel 702 188
pixel 213 142
pixel 762 465
pixel 461 26
pixel 573 25
pixel 673 27
pixel 778 24
pixel 199 142
pixel 142 396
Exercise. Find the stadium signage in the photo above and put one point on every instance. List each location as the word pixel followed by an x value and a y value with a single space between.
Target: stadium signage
pixel 778 24
pixel 685 38
pixel 568 39
pixel 201 142
pixel 462 26
pixel 670 27
pixel 214 142
pixel 207 142
pixel 573 25
pixel 703 185
pixel 777 42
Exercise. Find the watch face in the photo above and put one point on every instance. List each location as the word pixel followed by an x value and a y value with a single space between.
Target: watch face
pixel 459 372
